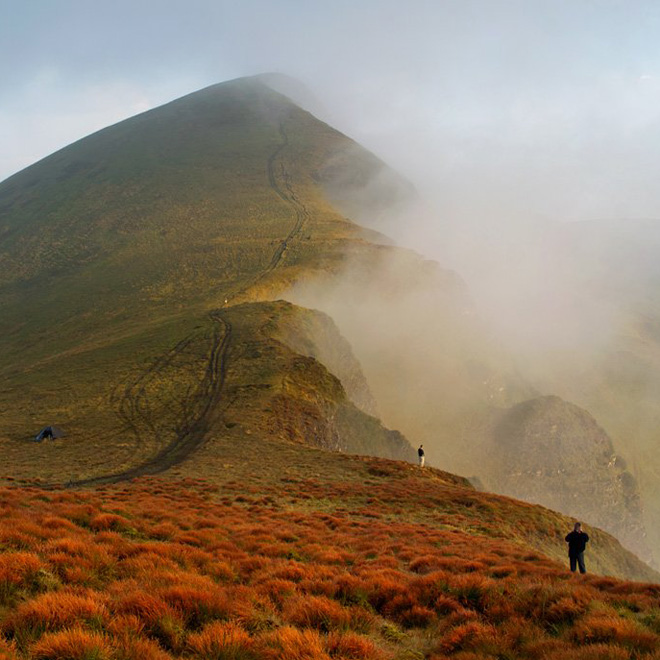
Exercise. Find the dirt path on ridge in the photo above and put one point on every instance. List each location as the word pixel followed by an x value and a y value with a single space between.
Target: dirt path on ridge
pixel 131 400
pixel 191 432
pixel 287 194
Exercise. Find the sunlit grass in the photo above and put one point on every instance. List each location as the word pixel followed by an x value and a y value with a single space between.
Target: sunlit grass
pixel 97 575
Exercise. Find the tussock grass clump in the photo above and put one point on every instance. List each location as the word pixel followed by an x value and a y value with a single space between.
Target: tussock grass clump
pixel 72 644
pixel 289 643
pixel 18 571
pixel 351 646
pixel 53 611
pixel 316 612
pixel 222 641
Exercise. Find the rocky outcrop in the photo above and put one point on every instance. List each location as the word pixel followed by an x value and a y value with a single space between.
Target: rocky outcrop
pixel 277 387
pixel 314 334
pixel 324 399
pixel 551 452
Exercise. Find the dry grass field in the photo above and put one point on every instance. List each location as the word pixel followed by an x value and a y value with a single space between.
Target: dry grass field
pixel 390 562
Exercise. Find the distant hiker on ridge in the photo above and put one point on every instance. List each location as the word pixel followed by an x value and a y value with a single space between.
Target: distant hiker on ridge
pixel 420 453
pixel 577 542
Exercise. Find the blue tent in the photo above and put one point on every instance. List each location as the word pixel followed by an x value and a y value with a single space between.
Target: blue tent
pixel 51 432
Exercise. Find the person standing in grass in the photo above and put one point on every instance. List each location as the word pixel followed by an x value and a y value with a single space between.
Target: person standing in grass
pixel 420 454
pixel 577 542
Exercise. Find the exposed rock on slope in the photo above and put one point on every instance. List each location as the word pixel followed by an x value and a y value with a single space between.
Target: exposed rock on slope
pixel 315 335
pixel 552 452
pixel 282 393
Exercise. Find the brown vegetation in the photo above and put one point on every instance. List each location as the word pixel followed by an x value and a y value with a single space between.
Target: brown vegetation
pixel 158 570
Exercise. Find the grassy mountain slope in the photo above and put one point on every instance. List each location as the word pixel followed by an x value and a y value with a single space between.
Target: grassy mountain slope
pixel 116 249
pixel 382 489
pixel 149 217
pixel 233 371
pixel 294 552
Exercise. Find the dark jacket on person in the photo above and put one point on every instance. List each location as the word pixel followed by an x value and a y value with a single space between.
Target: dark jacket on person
pixel 577 542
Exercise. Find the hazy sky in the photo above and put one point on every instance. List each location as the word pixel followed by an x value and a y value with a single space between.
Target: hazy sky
pixel 512 108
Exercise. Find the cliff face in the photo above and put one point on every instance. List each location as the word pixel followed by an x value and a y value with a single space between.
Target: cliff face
pixel 315 335
pixel 323 398
pixel 554 453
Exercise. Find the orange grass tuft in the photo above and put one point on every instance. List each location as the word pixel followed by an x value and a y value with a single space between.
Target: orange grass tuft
pixel 222 641
pixel 317 612
pixel 197 605
pixel 18 568
pixel 144 606
pixel 109 521
pixel 467 636
pixel 73 644
pixel 125 625
pixel 594 652
pixel 8 650
pixel 52 611
pixel 608 628
pixel 288 643
pixel 278 590
pixel 132 648
pixel 350 646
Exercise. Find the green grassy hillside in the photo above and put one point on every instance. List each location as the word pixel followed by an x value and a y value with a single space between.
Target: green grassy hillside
pixel 162 215
pixel 234 370
pixel 118 251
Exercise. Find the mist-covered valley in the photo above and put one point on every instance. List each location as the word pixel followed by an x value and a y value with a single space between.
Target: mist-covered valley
pixel 523 354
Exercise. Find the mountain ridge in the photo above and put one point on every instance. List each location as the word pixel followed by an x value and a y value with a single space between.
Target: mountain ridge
pixel 137 299
pixel 131 250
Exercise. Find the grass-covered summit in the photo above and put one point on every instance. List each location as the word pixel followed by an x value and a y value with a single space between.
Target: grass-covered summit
pixel 167 213
pixel 120 252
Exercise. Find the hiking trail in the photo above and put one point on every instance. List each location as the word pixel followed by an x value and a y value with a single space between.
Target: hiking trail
pixel 134 409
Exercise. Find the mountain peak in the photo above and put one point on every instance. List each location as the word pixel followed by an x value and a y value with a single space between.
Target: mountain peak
pixel 136 238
